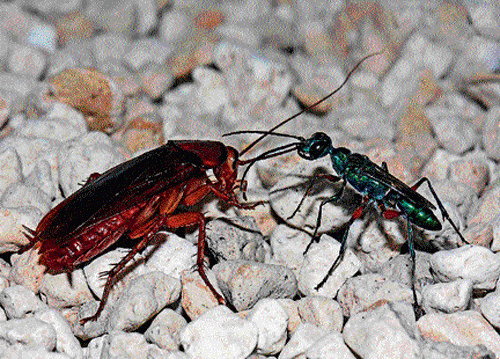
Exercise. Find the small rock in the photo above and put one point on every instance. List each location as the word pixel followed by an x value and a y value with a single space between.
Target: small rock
pixel 41 177
pixel 321 311
pixel 65 340
pixel 29 331
pixel 271 320
pixel 476 263
pixel 248 282
pixel 121 345
pixel 26 60
pixel 447 297
pixel 490 308
pixel 288 246
pixel 332 345
pixel 219 334
pixel 11 168
pixel 143 298
pixel 65 289
pixel 165 330
pixel 18 301
pixel 20 195
pixel 471 171
pixel 197 298
pixel 381 333
pixel 317 263
pixel 303 338
pixel 362 292
pixel 12 221
pixel 461 328
pixel 236 239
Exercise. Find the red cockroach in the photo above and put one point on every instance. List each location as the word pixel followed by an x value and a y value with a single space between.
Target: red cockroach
pixel 136 199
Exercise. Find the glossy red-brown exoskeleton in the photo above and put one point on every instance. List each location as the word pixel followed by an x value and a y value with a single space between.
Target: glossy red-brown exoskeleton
pixel 136 199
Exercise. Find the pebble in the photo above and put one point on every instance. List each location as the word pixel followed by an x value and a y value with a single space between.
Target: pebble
pixel 79 158
pixel 248 282
pixel 447 297
pixel 26 60
pixel 144 297
pixel 318 261
pixel 31 332
pixel 471 171
pixel 489 308
pixel 196 297
pixel 11 168
pixel 332 345
pixel 165 330
pixel 462 328
pixel 26 270
pixel 18 301
pixel 21 195
pixel 323 312
pixel 455 134
pixel 41 177
pixel 63 290
pixel 382 333
pixel 66 342
pixel 476 263
pixel 288 246
pixel 236 239
pixel 302 339
pixel 271 320
pixel 122 345
pixel 360 293
pixel 221 334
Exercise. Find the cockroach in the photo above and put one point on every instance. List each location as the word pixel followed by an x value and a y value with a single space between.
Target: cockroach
pixel 136 199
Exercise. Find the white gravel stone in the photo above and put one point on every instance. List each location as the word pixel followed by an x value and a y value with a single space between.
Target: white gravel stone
pixel 165 330
pixel 11 226
pixel 197 298
pixel 332 345
pixel 271 320
pixel 447 297
pixel 362 292
pixel 236 239
pixel 29 331
pixel 10 163
pixel 54 129
pixel 22 195
pixel 79 158
pixel 321 311
pixel 490 308
pixel 381 333
pixel 174 25
pixel 26 60
pixel 491 133
pixel 26 270
pixel 144 297
pixel 462 328
pixel 455 134
pixel 288 246
pixel 305 336
pixel 41 177
pixel 219 334
pixel 248 282
pixel 121 345
pixel 318 261
pixel 173 256
pixel 65 290
pixel 104 263
pixel 145 51
pixel 17 301
pixel 476 263
pixel 66 342
pixel 32 150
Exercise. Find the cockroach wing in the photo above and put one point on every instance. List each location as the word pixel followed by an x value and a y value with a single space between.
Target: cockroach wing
pixel 121 187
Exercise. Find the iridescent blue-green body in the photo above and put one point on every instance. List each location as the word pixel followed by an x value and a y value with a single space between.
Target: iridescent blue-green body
pixel 372 181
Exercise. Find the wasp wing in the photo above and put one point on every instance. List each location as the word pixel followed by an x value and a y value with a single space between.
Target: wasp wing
pixel 379 174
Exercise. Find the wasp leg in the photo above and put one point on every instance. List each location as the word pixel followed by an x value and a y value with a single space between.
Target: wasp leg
pixel 416 307
pixel 443 211
pixel 330 178
pixel 357 214
pixel 334 198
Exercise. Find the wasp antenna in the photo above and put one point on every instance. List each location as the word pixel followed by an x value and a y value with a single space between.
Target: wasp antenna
pixel 349 74
pixel 299 138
